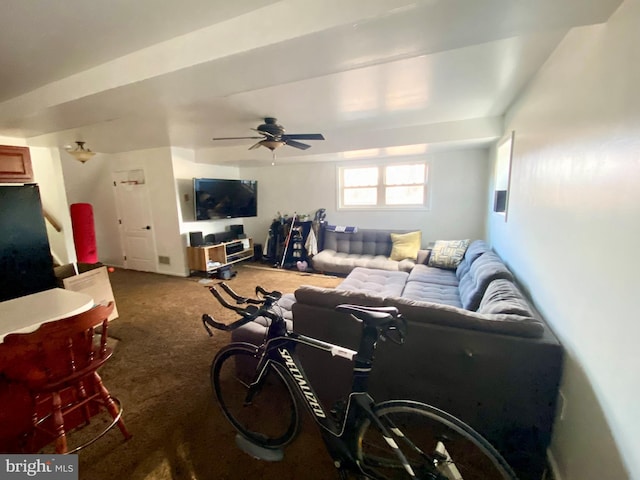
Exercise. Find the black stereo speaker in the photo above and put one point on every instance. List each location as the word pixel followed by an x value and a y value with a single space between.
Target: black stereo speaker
pixel 196 239
pixel 237 231
pixel 214 238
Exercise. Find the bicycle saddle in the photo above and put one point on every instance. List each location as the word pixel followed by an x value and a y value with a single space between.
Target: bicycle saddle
pixel 374 316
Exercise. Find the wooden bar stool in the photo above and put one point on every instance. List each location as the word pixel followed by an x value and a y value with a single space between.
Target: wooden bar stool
pixel 58 365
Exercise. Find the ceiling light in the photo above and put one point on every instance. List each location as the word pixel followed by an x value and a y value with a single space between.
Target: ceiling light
pixel 272 144
pixel 80 153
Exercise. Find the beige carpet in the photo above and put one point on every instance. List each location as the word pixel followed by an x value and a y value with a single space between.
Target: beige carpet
pixel 160 372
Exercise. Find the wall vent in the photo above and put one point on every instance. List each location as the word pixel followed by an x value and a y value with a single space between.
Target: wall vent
pixel 164 260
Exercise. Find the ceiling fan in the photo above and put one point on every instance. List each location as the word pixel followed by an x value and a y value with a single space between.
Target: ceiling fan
pixel 273 136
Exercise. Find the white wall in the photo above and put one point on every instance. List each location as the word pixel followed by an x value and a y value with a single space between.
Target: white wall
pixel 159 178
pixel 458 183
pixel 572 230
pixel 92 183
pixel 47 171
pixel 185 170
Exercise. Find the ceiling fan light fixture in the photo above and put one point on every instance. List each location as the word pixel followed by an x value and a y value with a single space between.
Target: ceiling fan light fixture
pixel 272 144
pixel 80 153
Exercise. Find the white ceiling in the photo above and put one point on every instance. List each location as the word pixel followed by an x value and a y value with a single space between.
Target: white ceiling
pixel 368 74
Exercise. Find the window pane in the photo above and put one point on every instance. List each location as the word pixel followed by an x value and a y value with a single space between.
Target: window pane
pixel 360 177
pixel 405 174
pixel 360 196
pixel 405 195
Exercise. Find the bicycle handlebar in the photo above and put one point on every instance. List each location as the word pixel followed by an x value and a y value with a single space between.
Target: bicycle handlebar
pixel 248 313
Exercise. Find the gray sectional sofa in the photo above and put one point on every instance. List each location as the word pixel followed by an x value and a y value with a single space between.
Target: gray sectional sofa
pixel 342 252
pixel 475 347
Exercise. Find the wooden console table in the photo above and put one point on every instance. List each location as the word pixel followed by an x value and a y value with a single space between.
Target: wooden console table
pixel 210 258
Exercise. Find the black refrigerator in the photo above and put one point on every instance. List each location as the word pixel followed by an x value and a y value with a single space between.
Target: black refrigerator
pixel 26 265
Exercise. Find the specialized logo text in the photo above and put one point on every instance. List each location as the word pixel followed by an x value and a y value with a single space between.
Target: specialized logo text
pixel 302 383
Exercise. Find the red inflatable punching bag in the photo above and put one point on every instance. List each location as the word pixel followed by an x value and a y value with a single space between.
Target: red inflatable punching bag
pixel 84 235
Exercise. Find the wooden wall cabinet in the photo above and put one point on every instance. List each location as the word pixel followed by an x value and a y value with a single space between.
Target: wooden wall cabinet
pixel 15 164
pixel 212 257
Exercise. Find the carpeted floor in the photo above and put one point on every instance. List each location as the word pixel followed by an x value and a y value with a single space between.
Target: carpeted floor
pixel 160 372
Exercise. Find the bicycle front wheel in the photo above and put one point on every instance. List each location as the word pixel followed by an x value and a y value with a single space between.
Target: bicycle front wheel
pixel 436 445
pixel 260 405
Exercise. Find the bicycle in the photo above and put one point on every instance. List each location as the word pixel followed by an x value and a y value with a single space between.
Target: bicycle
pixel 260 387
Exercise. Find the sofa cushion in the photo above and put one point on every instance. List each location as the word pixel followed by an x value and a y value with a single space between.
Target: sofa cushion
pixel 476 248
pixel 384 283
pixel 405 245
pixel 433 275
pixel 431 292
pixel 503 297
pixel 331 298
pixel 362 242
pixel 450 316
pixel 448 253
pixel 343 263
pixel 486 268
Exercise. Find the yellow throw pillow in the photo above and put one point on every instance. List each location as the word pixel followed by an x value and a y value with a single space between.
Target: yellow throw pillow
pixel 406 245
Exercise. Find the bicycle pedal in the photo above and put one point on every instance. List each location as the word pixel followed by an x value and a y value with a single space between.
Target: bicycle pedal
pixel 258 452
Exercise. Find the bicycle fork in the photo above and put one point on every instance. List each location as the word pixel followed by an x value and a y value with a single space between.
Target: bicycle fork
pixel 363 408
pixel 388 435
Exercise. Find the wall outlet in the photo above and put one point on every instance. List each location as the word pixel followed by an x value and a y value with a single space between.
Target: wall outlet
pixel 164 260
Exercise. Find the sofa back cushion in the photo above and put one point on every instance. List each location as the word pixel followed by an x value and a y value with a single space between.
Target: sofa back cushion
pixel 477 248
pixel 331 298
pixel 503 297
pixel 361 242
pixel 450 316
pixel 486 268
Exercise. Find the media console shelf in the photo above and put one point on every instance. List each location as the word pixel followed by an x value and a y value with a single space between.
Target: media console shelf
pixel 210 258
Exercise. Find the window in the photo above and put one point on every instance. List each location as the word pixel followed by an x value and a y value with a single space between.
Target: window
pixel 384 186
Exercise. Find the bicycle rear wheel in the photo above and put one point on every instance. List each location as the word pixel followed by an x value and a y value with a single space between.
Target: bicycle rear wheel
pixel 437 446
pixel 261 407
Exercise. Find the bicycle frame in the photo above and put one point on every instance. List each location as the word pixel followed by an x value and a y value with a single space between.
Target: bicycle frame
pixel 339 436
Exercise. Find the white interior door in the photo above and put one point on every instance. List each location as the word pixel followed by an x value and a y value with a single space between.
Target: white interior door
pixel 136 226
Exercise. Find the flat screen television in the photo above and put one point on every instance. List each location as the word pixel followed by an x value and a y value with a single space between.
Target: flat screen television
pixel 216 198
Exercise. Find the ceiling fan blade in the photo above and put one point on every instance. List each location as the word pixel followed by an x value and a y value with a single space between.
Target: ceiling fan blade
pixel 266 134
pixel 255 145
pixel 234 138
pixel 304 136
pixel 293 143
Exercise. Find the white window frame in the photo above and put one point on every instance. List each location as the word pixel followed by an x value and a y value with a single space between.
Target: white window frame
pixel 381 186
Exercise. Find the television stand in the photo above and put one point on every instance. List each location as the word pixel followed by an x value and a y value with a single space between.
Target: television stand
pixel 210 258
